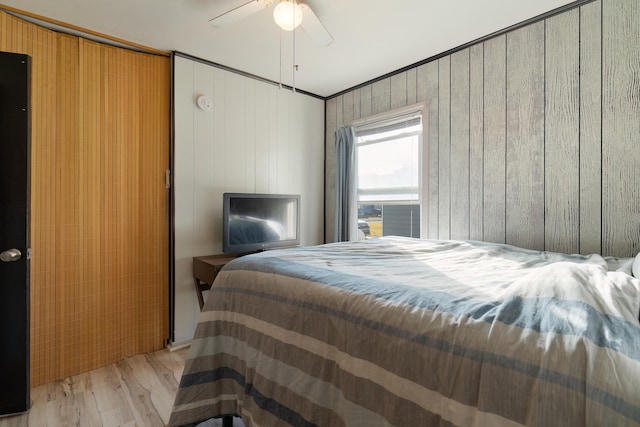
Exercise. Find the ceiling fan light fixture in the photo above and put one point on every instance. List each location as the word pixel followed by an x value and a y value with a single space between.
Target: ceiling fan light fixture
pixel 287 14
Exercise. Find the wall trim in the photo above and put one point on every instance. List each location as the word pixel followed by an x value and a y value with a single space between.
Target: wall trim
pixel 246 74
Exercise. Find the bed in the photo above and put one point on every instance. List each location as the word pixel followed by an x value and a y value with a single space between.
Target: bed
pixel 404 332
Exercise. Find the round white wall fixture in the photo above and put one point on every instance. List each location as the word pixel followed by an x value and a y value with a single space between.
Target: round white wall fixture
pixel 204 103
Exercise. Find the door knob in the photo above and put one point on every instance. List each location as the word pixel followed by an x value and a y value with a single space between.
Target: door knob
pixel 10 255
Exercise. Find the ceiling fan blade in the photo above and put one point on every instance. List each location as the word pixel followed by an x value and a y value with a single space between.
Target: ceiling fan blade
pixel 239 13
pixel 314 27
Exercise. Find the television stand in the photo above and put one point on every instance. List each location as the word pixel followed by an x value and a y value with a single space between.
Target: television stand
pixel 205 270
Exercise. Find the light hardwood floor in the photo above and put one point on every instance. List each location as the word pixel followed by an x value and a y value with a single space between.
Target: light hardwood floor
pixel 137 391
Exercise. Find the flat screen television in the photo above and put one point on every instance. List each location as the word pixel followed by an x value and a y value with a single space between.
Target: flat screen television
pixel 256 222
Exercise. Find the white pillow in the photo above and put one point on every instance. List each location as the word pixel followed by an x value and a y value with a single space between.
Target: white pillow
pixel 635 269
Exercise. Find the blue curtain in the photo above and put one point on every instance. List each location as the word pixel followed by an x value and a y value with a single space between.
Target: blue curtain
pixel 346 202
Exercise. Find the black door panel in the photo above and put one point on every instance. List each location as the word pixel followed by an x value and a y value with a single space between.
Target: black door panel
pixel 14 235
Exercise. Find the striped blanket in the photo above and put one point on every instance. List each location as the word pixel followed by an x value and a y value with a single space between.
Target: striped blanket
pixel 407 332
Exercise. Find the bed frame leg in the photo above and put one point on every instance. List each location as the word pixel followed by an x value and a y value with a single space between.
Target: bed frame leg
pixel 227 421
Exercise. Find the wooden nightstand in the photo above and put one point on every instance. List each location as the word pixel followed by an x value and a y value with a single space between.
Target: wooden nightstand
pixel 205 270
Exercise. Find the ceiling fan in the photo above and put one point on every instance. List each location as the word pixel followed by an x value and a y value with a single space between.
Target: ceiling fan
pixel 288 14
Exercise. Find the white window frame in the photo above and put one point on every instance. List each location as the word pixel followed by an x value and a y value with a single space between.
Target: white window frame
pixel 394 116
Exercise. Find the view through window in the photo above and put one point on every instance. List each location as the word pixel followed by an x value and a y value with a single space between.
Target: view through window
pixel 389 174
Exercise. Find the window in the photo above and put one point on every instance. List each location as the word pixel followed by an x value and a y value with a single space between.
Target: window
pixel 389 153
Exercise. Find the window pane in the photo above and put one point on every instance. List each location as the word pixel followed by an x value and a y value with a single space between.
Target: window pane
pixel 388 219
pixel 388 165
pixel 401 220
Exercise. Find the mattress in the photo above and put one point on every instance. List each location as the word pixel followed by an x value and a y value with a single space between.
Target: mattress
pixel 405 332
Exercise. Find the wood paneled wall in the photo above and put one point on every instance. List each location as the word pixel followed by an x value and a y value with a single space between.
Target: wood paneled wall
pixel 256 138
pixel 533 135
pixel 99 229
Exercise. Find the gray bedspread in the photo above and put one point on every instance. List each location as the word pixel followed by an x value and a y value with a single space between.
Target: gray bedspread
pixel 406 332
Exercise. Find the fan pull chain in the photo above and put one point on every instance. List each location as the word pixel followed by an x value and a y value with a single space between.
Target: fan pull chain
pixel 294 68
pixel 280 59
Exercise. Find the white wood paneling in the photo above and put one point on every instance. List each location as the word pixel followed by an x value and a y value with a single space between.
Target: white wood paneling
pixel 444 148
pixel 357 109
pixel 525 137
pixel 330 173
pixel 590 126
pixel 381 96
pixel 272 140
pixel 398 94
pixel 476 141
pixel 263 124
pixel 495 139
pixel 551 130
pixel 427 87
pixel 219 142
pixel 256 138
pixel 459 154
pixel 412 90
pixel 185 302
pixel 348 107
pixel 200 171
pixel 621 126
pixel 562 133
pixel 340 113
pixel 366 106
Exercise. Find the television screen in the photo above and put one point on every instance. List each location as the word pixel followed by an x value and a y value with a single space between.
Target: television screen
pixel 256 222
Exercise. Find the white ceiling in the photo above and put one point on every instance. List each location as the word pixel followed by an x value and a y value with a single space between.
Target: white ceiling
pixel 371 37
